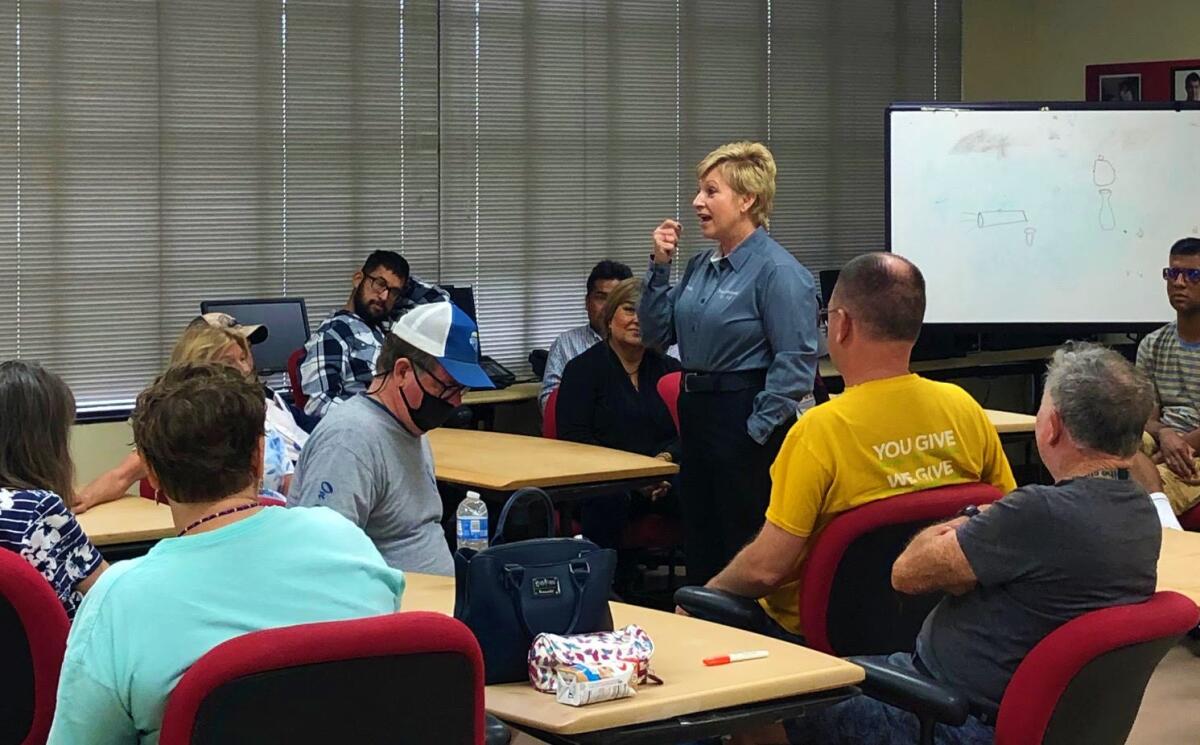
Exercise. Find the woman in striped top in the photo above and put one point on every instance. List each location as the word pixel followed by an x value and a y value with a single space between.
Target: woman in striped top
pixel 36 481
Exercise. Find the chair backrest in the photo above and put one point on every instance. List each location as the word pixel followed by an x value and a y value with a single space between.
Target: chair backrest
pixel 550 417
pixel 1190 520
pixel 668 391
pixel 293 373
pixel 537 360
pixel 400 677
pixel 1084 682
pixel 847 603
pixel 33 639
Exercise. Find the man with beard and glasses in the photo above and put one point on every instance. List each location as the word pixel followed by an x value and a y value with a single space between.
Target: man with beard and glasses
pixel 340 356
pixel 370 460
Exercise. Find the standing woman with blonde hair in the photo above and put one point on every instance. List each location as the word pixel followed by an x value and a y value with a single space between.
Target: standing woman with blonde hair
pixel 36 481
pixel 744 315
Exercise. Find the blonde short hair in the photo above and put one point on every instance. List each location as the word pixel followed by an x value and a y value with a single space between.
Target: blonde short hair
pixel 201 342
pixel 749 168
pixel 627 292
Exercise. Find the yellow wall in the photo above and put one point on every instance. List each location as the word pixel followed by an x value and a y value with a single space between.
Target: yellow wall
pixel 96 448
pixel 1038 49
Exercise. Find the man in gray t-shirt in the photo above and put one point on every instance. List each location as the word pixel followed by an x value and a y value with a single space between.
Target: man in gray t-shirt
pixel 369 458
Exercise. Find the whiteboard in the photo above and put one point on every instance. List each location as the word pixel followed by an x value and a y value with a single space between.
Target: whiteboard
pixel 1043 216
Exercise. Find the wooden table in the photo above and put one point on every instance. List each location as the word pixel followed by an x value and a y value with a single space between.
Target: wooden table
pixel 1010 422
pixel 971 363
pixel 1179 563
pixel 690 691
pixel 500 463
pixel 515 393
pixel 127 520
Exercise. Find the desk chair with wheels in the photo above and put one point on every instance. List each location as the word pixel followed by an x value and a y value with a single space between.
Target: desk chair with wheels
pixel 1083 683
pixel 399 677
pixel 33 639
pixel 848 605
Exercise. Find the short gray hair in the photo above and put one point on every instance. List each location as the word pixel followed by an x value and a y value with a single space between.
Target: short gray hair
pixel 1103 400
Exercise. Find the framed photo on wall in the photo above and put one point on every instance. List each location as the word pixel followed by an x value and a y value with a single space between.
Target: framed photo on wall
pixel 1186 83
pixel 1121 87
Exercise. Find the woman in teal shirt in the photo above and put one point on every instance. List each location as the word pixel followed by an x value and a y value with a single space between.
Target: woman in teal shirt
pixel 236 566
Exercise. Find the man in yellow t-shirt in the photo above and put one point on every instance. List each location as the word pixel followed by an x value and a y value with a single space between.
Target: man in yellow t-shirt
pixel 891 432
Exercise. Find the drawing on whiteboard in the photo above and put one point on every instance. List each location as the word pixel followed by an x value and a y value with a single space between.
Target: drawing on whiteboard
pixel 1108 220
pixel 1029 234
pixel 1105 175
pixel 993 218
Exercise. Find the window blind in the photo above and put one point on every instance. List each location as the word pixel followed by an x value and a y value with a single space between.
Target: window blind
pixel 168 152
pixel 154 153
pixel 570 129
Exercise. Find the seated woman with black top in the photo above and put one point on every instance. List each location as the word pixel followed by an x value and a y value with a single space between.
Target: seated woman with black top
pixel 609 397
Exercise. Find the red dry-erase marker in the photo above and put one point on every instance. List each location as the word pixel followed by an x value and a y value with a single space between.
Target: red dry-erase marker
pixel 725 659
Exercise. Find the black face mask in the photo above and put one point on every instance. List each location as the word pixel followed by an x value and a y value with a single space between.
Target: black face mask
pixel 431 414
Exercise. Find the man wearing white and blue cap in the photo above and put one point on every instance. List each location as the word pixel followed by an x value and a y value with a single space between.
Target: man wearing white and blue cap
pixel 369 458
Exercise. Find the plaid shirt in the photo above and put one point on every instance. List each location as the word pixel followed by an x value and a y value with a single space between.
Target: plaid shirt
pixel 339 358
pixel 339 361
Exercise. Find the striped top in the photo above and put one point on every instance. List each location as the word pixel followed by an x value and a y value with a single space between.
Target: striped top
pixel 38 526
pixel 1174 366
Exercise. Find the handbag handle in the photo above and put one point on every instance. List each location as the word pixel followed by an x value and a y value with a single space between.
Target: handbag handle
pixel 514 575
pixel 521 495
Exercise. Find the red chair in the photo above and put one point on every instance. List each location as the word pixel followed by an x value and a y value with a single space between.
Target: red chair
pixel 847 604
pixel 293 373
pixel 668 391
pixel 550 417
pixel 33 639
pixel 412 677
pixel 1083 683
pixel 1190 520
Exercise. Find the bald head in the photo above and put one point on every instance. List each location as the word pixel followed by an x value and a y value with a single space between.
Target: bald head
pixel 885 292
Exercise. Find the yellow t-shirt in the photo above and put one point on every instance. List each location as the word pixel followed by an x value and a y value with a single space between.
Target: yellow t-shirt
pixel 878 439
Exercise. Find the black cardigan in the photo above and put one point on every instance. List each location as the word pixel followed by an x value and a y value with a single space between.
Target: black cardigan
pixel 598 405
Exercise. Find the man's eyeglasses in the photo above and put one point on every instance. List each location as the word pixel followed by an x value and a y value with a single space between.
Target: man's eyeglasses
pixel 444 391
pixel 1172 273
pixel 378 284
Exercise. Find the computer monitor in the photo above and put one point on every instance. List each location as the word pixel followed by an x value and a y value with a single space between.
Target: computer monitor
pixel 464 298
pixel 286 320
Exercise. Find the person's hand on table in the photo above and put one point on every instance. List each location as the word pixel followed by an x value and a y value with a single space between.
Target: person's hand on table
pixel 1177 454
pixel 666 241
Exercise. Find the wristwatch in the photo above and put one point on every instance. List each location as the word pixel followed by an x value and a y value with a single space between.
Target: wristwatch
pixel 968 511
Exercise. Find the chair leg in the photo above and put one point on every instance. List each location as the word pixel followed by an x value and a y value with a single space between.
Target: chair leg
pixel 927 726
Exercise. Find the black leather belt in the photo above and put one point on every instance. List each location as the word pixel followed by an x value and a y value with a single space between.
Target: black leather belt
pixel 723 382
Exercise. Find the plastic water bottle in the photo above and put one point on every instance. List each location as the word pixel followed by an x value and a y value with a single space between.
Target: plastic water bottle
pixel 472 522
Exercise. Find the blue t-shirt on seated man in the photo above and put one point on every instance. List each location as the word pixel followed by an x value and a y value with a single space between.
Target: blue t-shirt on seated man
pixel 235 567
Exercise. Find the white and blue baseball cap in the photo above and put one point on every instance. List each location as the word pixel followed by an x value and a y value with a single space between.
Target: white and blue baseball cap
pixel 444 331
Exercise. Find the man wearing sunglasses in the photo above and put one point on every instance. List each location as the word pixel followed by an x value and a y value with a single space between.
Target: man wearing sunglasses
pixel 1170 356
pixel 369 458
pixel 340 356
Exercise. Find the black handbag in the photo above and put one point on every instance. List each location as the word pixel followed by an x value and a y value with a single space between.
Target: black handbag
pixel 509 593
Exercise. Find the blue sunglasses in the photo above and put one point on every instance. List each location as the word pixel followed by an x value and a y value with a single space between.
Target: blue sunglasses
pixel 1172 273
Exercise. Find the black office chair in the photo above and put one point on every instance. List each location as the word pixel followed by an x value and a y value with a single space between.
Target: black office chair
pixel 537 360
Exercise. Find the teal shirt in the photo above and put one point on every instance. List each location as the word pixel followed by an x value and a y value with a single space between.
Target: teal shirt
pixel 146 620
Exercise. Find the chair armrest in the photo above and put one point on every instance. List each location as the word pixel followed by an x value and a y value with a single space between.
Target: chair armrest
pixel 495 732
pixel 913 692
pixel 720 607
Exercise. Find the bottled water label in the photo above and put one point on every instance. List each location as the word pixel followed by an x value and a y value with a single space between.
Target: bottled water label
pixel 472 529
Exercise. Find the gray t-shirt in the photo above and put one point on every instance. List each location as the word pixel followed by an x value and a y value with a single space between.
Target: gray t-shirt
pixel 1043 555
pixel 363 463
